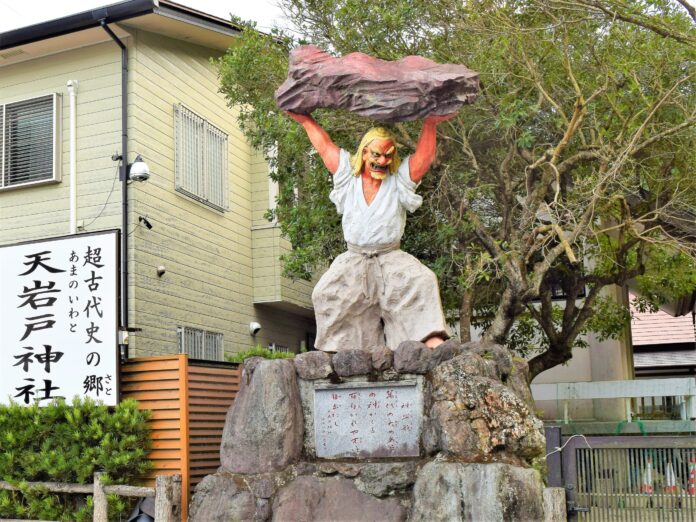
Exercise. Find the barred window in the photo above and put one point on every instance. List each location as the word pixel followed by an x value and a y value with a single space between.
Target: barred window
pixel 200 159
pixel 275 347
pixel 30 141
pixel 200 344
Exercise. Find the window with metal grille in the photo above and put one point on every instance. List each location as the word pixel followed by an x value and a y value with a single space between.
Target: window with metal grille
pixel 275 347
pixel 30 141
pixel 200 344
pixel 200 159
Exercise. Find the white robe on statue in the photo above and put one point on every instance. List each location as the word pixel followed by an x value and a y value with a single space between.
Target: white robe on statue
pixel 375 291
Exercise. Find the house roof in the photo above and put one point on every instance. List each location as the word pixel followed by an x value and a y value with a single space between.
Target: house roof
pixel 159 16
pixel 660 328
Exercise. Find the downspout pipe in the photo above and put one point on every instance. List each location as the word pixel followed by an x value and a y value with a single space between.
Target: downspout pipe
pixel 72 92
pixel 123 176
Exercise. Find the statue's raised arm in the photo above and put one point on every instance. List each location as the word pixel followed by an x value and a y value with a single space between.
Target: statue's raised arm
pixel 424 155
pixel 321 141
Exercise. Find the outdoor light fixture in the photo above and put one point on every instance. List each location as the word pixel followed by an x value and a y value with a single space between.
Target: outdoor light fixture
pixel 138 170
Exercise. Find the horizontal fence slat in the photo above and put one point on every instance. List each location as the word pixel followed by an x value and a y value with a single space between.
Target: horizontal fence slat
pixel 200 439
pixel 211 370
pixel 199 449
pixel 205 432
pixel 165 416
pixel 213 385
pixel 160 464
pixel 129 491
pixel 165 434
pixel 163 375
pixel 222 402
pixel 194 417
pixel 207 462
pixel 210 408
pixel 213 378
pixel 151 385
pixel 154 395
pixel 166 424
pixel 162 444
pixel 165 454
pixel 208 425
pixel 150 366
pixel 54 487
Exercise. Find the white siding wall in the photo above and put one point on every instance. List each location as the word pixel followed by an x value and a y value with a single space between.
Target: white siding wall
pixel 43 211
pixel 207 254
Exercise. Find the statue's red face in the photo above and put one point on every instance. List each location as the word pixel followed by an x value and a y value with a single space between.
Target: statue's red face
pixel 377 157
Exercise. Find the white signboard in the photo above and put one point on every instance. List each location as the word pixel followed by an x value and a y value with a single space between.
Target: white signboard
pixel 373 420
pixel 59 319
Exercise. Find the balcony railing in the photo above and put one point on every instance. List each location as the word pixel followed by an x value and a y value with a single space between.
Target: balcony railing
pixel 640 396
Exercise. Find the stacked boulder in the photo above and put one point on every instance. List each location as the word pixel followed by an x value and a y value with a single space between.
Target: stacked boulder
pixel 480 441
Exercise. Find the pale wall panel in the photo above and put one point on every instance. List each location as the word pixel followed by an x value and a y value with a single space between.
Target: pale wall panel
pixel 38 212
pixel 208 282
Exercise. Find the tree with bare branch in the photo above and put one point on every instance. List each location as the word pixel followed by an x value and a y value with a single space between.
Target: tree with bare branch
pixel 573 172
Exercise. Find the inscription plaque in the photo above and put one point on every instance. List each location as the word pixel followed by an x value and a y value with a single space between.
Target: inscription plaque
pixel 368 420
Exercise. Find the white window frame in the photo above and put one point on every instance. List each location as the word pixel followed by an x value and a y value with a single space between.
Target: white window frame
pixel 56 143
pixel 203 174
pixel 188 339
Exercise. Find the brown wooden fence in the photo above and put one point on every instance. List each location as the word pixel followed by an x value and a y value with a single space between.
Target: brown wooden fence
pixel 188 400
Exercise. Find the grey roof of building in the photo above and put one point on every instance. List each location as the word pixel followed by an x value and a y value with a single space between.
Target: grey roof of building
pixel 665 358
pixel 112 13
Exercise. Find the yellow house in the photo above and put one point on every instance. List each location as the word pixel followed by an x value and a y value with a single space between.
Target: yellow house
pixel 81 99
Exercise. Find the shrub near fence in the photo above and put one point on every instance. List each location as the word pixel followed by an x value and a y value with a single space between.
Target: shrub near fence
pixel 68 443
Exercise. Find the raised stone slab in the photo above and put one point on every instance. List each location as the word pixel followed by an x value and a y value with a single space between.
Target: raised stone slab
pixel 387 91
pixel 456 442
pixel 364 420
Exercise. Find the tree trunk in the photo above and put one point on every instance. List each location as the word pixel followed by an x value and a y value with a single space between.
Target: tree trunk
pixel 554 356
pixel 504 318
pixel 465 316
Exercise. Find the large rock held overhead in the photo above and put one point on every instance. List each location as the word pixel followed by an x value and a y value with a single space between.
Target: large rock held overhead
pixel 402 90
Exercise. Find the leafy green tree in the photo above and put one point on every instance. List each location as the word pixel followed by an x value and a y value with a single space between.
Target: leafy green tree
pixel 572 172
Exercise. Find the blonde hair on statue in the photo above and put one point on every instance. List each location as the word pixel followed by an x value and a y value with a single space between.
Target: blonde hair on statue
pixel 375 133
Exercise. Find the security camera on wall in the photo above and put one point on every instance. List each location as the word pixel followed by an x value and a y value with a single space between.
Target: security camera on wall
pixel 254 328
pixel 138 170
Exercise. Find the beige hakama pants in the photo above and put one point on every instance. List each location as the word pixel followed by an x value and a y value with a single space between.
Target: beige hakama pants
pixel 372 292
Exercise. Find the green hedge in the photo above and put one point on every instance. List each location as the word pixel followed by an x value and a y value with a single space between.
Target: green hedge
pixel 68 443
pixel 258 351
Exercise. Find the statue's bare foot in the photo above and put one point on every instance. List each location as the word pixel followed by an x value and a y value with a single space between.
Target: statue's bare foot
pixel 434 342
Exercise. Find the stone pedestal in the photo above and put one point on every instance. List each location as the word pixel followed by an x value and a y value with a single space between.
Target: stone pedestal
pixel 444 434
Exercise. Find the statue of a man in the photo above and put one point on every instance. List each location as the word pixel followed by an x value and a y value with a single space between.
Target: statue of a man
pixel 375 290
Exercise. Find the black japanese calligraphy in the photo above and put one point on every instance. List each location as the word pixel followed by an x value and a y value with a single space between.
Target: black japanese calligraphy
pixel 37 260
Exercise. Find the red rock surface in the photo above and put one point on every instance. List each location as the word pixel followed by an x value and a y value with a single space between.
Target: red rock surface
pixel 402 90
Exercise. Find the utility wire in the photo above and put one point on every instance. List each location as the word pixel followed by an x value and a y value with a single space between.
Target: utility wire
pixel 566 443
pixel 113 185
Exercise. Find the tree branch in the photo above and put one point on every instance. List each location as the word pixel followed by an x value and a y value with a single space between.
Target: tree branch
pixel 642 22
